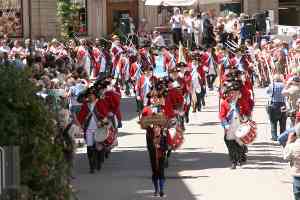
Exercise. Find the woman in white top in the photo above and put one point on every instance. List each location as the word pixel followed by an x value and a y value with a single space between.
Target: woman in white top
pixel 176 22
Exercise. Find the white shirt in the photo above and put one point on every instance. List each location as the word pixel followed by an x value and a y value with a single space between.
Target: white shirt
pixel 234 124
pixel 189 24
pixel 196 83
pixel 198 26
pixel 102 64
pixel 176 21
pixel 93 123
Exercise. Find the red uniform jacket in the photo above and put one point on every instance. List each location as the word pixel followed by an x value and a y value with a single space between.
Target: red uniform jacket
pixel 167 61
pixel 101 110
pixel 187 89
pixel 246 102
pixel 223 113
pixel 133 69
pixel 202 74
pixel 113 101
pixel 173 101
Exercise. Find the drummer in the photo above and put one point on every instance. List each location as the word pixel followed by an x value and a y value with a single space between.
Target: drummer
pixel 93 112
pixel 156 140
pixel 230 118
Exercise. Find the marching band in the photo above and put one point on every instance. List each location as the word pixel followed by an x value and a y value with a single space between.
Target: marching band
pixel 168 83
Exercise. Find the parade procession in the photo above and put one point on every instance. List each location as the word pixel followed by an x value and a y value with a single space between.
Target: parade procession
pixel 209 66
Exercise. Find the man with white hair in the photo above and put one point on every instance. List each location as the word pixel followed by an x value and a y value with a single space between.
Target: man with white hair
pixel 292 153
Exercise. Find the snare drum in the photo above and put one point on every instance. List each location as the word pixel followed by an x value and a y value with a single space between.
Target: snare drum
pixel 175 138
pixel 246 132
pixel 111 137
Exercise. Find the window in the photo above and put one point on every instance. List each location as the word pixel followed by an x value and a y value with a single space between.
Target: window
pixel 231 7
pixel 11 18
pixel 79 17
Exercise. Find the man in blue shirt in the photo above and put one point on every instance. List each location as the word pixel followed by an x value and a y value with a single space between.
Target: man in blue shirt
pixel 277 111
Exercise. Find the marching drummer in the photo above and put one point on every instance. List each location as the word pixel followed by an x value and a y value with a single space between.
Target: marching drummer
pixel 230 119
pixel 156 140
pixel 93 112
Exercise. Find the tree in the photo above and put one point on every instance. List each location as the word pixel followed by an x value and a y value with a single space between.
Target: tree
pixel 64 12
pixel 27 123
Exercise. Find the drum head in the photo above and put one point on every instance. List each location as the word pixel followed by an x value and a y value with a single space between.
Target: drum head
pixel 101 134
pixel 172 132
pixel 242 131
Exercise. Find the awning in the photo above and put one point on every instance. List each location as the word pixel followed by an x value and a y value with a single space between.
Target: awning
pixel 182 2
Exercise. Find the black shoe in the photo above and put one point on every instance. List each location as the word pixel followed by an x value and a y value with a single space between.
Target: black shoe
pixel 162 194
pixel 187 120
pixel 166 164
pixel 233 166
pixel 92 171
pixel 274 139
pixel 107 154
pixel 246 149
pixel 99 167
pixel 155 194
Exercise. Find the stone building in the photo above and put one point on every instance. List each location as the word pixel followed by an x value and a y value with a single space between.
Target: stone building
pixel 95 18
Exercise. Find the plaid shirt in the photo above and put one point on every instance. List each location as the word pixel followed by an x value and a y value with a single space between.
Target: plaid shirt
pixel 275 92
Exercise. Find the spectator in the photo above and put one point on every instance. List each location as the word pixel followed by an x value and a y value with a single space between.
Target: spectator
pixel 198 29
pixel 292 153
pixel 176 23
pixel 293 42
pixel 292 91
pixel 277 112
pixel 208 32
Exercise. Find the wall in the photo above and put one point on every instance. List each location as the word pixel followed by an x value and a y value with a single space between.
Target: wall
pixel 44 18
pixel 150 13
pixel 252 6
pixel 97 25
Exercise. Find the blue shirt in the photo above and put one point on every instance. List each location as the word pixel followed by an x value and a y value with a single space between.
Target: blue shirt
pixel 275 92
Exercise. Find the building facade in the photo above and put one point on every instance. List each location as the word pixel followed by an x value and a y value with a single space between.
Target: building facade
pixel 96 18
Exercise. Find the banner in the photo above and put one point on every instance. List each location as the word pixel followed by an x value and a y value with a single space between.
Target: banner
pixel 288 30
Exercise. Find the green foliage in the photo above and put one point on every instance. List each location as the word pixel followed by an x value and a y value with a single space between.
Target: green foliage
pixel 26 122
pixel 65 9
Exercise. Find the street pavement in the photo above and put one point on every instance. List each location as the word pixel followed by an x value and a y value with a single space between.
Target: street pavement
pixel 199 170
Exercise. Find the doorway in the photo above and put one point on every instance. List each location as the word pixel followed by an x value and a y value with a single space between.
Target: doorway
pixel 118 14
